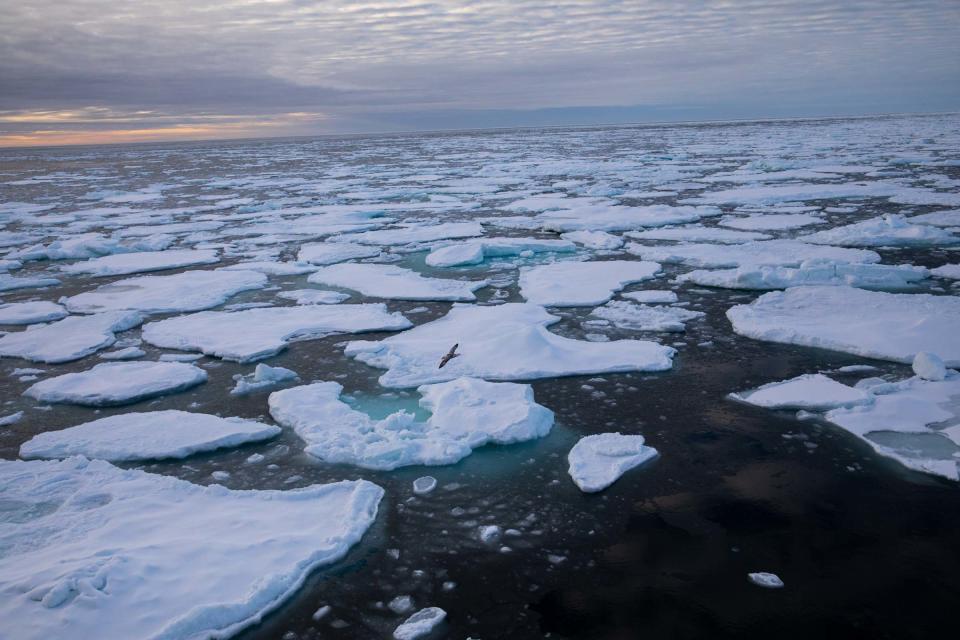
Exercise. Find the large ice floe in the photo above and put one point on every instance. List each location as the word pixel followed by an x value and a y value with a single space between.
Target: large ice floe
pixel 698 233
pixel 599 460
pixel 786 253
pixel 810 272
pixel 887 326
pixel 476 251
pixel 938 218
pixel 640 317
pixel 153 435
pixel 602 216
pixel 885 231
pixel 504 342
pixel 31 312
pixel 187 291
pixel 253 334
pixel 125 263
pixel 324 253
pixel 770 221
pixel 69 339
pixel 113 383
pixel 812 392
pixel 94 551
pixel 395 283
pixel 581 284
pixel 466 413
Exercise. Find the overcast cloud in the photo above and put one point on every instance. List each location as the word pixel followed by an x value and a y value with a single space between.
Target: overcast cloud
pixel 113 70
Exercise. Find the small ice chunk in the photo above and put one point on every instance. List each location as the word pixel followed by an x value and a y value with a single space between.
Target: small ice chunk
pixel 127 353
pixel 424 485
pixel 597 461
pixel 263 377
pixel 401 604
pixel 765 580
pixel 489 534
pixel 314 296
pixel 929 366
pixel 12 418
pixel 220 476
pixel 322 612
pixel 420 624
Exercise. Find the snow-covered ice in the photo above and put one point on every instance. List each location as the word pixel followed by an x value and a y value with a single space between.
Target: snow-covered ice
pixel 765 580
pixel 951 271
pixel 884 231
pixel 811 272
pixel 886 326
pixel 324 253
pixel 599 240
pixel 253 334
pixel 597 461
pixel 415 233
pixel 69 339
pixel 641 317
pixel 124 263
pixel 651 296
pixel 395 283
pixel 698 233
pixel 476 251
pixel 581 284
pixel 420 624
pixel 13 283
pixel 113 383
pixel 263 377
pixel 929 366
pixel 811 392
pixel 31 312
pixel 504 342
pixel 314 296
pixel 150 435
pixel 466 413
pixel 113 553
pixel 786 253
pixel 770 221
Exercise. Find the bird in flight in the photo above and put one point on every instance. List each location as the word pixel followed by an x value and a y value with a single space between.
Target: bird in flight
pixel 450 356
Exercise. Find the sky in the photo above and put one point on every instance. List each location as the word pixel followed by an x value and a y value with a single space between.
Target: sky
pixel 102 71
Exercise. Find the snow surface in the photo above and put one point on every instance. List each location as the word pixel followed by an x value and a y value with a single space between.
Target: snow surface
pixel 124 263
pixel 476 251
pixel 786 253
pixel 581 284
pixel 597 461
pixel 69 339
pixel 466 414
pixel 770 221
pixel 884 231
pixel 113 383
pixel 886 326
pixel 812 392
pixel 395 283
pixel 324 253
pixel 31 312
pixel 504 342
pixel 810 273
pixel 114 553
pixel 651 296
pixel 147 436
pixel 254 334
pixel 600 240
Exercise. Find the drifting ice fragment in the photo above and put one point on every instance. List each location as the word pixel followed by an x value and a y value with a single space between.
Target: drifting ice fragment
pixel 597 461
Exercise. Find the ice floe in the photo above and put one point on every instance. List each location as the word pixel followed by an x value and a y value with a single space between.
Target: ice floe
pixel 951 271
pixel 579 284
pixel 604 217
pixel 887 326
pixel 786 253
pixel 476 251
pixel 415 233
pixel 640 317
pixel 254 334
pixel 929 366
pixel 69 339
pixel 938 218
pixel 651 296
pixel 112 553
pixel 811 392
pixel 504 342
pixel 314 296
pixel 124 263
pixel 765 580
pixel 31 312
pixel 599 240
pixel 187 291
pixel 263 377
pixel 324 253
pixel 395 283
pixel 884 231
pixel 113 383
pixel 420 624
pixel 597 461
pixel 12 283
pixel 466 413
pixel 810 272
pixel 770 221
pixel 698 234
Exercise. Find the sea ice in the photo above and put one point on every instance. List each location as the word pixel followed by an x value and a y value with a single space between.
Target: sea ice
pixel 113 383
pixel 476 251
pixel 420 624
pixel 597 461
pixel 786 253
pixel 929 366
pixel 324 253
pixel 640 317
pixel 599 240
pixel 424 485
pixel 141 261
pixel 503 342
pixel 314 296
pixel 886 326
pixel 951 271
pixel 272 268
pixel 113 553
pixel 263 377
pixel 884 231
pixel 31 312
pixel 187 291
pixel 604 217
pixel 765 580
pixel 12 283
pixel 810 272
pixel 811 392
pixel 466 414
pixel 395 283
pixel 770 221
pixel 938 218
pixel 150 435
pixel 254 334
pixel 651 296
pixel 415 233
pixel 581 284
pixel 698 234
pixel 69 339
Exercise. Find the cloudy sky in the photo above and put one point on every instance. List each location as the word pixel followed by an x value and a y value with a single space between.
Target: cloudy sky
pixel 91 71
